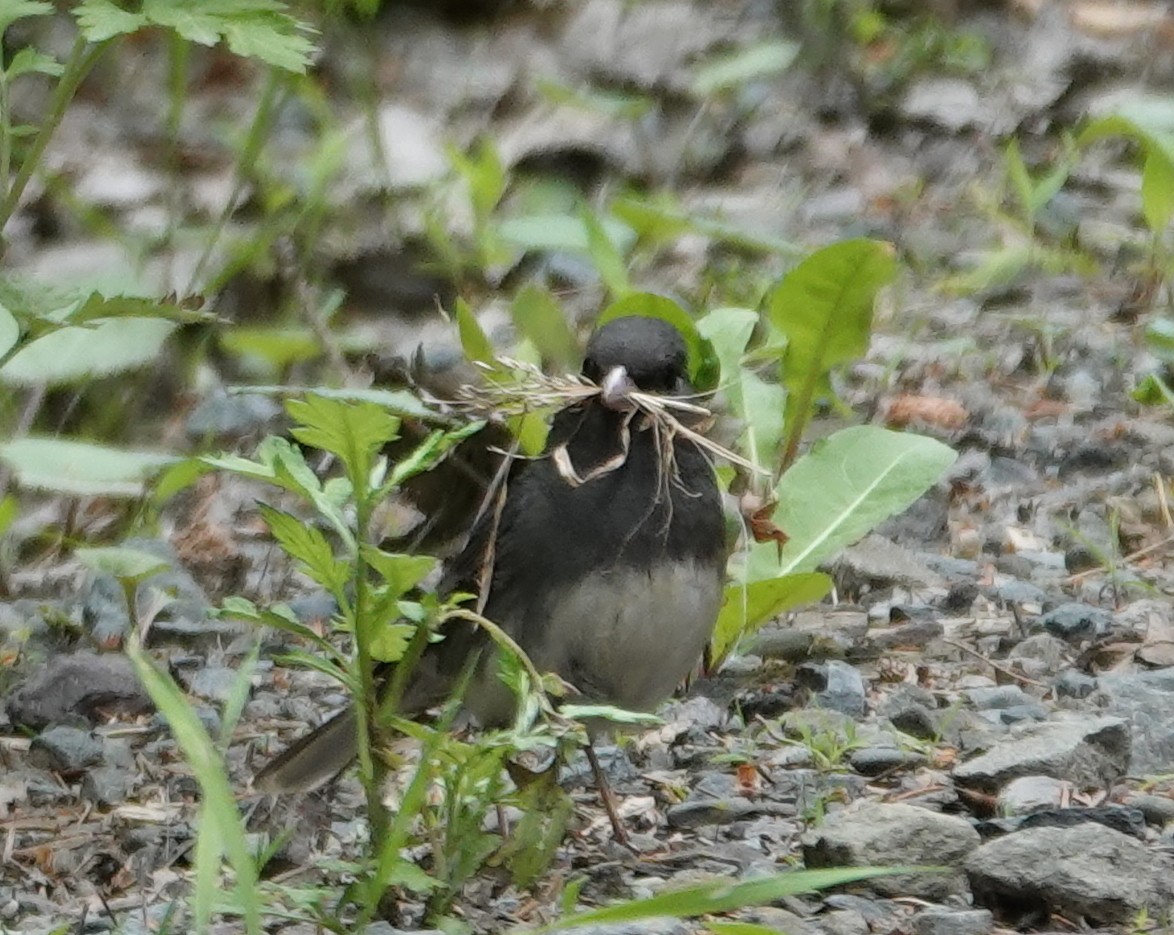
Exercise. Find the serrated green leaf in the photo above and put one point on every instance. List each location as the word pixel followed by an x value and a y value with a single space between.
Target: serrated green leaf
pixel 390 641
pixel 399 572
pixel 309 547
pixel 841 489
pixel 31 61
pixel 100 20
pixel 71 354
pixel 79 468
pixel 279 44
pixel 747 607
pixel 352 431
pixel 12 10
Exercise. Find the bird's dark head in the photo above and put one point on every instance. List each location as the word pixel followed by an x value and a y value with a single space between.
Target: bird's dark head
pixel 637 352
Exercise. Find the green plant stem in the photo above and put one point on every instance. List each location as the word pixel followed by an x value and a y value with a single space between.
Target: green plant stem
pixel 82 58
pixel 371 767
pixel 258 134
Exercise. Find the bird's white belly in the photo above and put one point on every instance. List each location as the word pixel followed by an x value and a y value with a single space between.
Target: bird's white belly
pixel 628 638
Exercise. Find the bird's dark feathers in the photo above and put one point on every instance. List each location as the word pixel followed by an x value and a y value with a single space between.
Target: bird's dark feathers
pixel 614 583
pixel 652 351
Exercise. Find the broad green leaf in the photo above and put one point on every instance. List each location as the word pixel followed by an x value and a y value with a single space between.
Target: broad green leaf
pixel 717 896
pixel 561 233
pixel 733 69
pixel 740 928
pixel 759 404
pixel 9 332
pixel 79 468
pixel 539 317
pixel 748 606
pixel 606 255
pixel 99 20
pixel 122 562
pixel 352 431
pixel 484 174
pixel 307 545
pixel 1157 191
pixel 72 354
pixel 824 309
pixel 702 363
pixel 12 10
pixel 841 489
pixel 1152 391
pixel 474 341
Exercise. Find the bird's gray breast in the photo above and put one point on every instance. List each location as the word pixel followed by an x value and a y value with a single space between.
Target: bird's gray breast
pixel 624 637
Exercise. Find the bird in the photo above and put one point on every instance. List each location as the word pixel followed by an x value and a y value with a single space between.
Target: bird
pixel 607 560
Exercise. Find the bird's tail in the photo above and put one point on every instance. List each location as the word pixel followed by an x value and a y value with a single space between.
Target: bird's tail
pixel 313 759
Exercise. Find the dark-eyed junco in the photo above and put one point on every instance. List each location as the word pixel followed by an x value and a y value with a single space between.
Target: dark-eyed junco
pixel 607 559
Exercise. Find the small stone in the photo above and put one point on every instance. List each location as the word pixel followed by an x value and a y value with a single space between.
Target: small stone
pixel 940 921
pixel 105 785
pixel 1027 793
pixel 1072 683
pixel 998 696
pixel 1157 809
pixel 1076 623
pixel 837 685
pixel 213 683
pixel 67 750
pixel 874 761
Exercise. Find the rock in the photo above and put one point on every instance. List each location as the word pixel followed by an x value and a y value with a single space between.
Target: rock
pixel 837 685
pixel 998 696
pixel 67 750
pixel 875 834
pixel 940 921
pixel 1090 753
pixel 213 683
pixel 1050 651
pixel 949 103
pixel 873 761
pixel 79 684
pixel 1088 870
pixel 1072 683
pixel 1027 793
pixel 1076 623
pixel 709 812
pixel 1156 809
pixel 912 710
pixel 231 415
pixel 105 785
pixel 1120 818
pixel 1146 701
